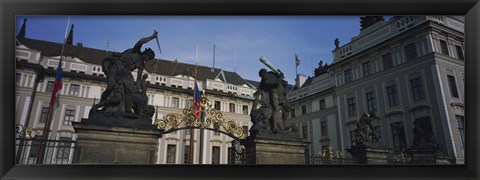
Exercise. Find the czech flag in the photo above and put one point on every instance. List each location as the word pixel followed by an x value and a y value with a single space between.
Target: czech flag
pixel 57 85
pixel 297 60
pixel 196 100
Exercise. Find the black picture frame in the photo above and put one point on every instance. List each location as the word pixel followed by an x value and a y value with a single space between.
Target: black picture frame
pixel 9 9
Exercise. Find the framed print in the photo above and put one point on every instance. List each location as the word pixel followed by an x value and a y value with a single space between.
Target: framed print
pixel 252 89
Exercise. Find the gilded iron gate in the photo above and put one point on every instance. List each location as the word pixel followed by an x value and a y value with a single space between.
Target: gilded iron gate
pixel 208 119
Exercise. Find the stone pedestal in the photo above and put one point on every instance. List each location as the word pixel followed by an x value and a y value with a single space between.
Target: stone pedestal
pixel 422 156
pixel 369 154
pixel 428 154
pixel 270 148
pixel 107 143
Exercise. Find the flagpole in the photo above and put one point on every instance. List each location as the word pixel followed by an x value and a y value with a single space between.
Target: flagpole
pixel 311 65
pixel 235 60
pixel 213 56
pixel 46 131
pixel 296 67
pixel 192 130
pixel 200 161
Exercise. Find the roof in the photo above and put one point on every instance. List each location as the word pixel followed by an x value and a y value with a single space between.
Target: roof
pixel 254 83
pixel 88 55
pixel 163 67
pixel 174 68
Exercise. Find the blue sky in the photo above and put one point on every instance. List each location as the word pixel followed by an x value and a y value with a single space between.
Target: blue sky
pixel 239 40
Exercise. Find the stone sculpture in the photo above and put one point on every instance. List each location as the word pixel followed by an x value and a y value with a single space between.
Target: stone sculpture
pixel 125 98
pixel 271 106
pixel 364 133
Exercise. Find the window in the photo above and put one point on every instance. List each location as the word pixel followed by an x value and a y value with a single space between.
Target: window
pixel 175 102
pixel 64 146
pixel 459 52
pixel 324 128
pixel 352 111
pixel 292 113
pixel 367 68
pixel 392 95
pixel 230 156
pixel 444 47
pixel 231 107
pixel 425 125
pixel 189 103
pixel 34 149
pixel 387 61
pixel 410 51
pixel 322 104
pixel 186 154
pixel 453 86
pixel 304 109
pixel 171 152
pixel 304 131
pixel 188 131
pixel 371 101
pixel 245 130
pixel 461 127
pixel 50 85
pixel 216 133
pixel 43 115
pixel 378 132
pixel 215 155
pixel 353 138
pixel 217 105
pixel 69 116
pixel 18 78
pixel 417 89
pixel 74 90
pixel 348 75
pixel 245 109
pixel 398 135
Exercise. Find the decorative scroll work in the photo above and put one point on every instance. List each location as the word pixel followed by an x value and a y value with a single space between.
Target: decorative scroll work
pixel 214 121
pixel 25 133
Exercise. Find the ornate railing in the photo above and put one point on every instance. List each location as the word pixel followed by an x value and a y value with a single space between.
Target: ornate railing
pixel 329 157
pixel 56 151
pixel 320 160
pixel 27 146
pixel 214 121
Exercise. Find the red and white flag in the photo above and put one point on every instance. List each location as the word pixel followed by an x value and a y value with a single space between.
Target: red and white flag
pixel 297 60
pixel 57 85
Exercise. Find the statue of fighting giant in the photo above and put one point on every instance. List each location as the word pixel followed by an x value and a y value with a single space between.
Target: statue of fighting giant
pixel 270 107
pixel 125 97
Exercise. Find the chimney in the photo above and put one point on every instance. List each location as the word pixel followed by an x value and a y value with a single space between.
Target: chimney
pixel 301 78
pixel 21 33
pixel 70 37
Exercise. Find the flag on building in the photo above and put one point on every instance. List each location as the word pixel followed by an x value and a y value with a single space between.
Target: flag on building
pixel 196 100
pixel 297 60
pixel 57 85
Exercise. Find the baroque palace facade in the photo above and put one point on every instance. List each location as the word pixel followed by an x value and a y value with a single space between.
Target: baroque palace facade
pixel 405 69
pixel 170 89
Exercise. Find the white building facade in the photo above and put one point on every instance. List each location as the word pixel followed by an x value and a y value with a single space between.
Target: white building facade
pixel 170 89
pixel 404 69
